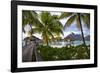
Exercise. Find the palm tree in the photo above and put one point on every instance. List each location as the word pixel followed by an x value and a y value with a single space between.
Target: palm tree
pixel 29 18
pixel 50 26
pixel 79 17
pixel 44 23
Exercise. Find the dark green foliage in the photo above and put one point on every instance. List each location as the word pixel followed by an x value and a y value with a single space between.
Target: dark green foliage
pixel 65 53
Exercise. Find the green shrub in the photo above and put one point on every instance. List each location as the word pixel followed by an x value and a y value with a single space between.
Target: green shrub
pixel 65 53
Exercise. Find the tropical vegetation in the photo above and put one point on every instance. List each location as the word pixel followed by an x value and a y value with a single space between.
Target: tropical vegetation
pixel 78 17
pixel 64 53
pixel 51 29
pixel 44 23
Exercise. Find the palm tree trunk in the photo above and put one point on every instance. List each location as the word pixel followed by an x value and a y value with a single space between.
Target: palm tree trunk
pixel 47 42
pixel 81 29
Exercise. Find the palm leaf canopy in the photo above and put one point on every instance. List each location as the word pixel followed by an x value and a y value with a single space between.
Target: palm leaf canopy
pixel 51 24
pixel 28 17
pixel 65 15
pixel 70 21
pixel 31 18
pixel 44 23
pixel 85 17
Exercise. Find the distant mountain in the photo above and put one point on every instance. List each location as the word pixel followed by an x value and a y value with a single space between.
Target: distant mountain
pixel 70 36
pixel 74 36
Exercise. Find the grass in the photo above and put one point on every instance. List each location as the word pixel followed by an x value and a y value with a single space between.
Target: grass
pixel 65 53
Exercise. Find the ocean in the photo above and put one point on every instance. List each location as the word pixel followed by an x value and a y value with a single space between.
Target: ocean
pixel 64 43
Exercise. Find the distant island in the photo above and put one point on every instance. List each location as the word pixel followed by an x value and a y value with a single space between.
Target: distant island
pixel 74 36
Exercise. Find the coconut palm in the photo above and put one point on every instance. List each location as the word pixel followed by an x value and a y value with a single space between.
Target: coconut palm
pixel 50 26
pixel 29 18
pixel 78 17
pixel 44 23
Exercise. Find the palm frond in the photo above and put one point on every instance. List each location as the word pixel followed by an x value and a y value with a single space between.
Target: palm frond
pixel 37 30
pixel 45 17
pixel 86 19
pixel 65 14
pixel 55 16
pixel 50 34
pixel 69 21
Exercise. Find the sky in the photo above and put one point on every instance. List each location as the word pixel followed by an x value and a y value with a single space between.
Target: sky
pixel 73 28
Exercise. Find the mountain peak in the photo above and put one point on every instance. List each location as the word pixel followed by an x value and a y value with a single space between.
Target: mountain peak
pixel 73 36
pixel 76 36
pixel 73 33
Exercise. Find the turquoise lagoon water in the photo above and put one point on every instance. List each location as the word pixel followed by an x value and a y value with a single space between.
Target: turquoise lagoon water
pixel 64 43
